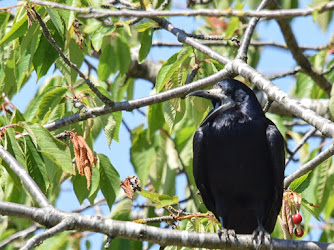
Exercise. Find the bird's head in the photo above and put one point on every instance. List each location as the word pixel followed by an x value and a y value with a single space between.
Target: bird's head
pixel 231 93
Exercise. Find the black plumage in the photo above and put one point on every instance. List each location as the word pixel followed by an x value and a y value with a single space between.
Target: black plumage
pixel 239 160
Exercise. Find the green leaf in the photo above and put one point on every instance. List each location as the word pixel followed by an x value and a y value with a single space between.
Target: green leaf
pixel 169 114
pixel 141 154
pixel 108 61
pixel 126 27
pixel 146 43
pixel 155 119
pixel 69 16
pixel 123 55
pixel 301 183
pixel 4 17
pixel 44 57
pixel 54 149
pixel 194 225
pixel 18 29
pixel 93 26
pixel 63 240
pixel 310 209
pixel 144 26
pixel 12 147
pixel 232 27
pixel 97 39
pixel 170 66
pixel 77 56
pixel 159 200
pixel 36 166
pixel 56 19
pixel 324 18
pixel 111 125
pixel 109 179
pixel 50 100
pixel 80 185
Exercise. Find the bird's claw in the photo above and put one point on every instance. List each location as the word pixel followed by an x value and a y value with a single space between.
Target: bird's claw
pixel 227 234
pixel 260 235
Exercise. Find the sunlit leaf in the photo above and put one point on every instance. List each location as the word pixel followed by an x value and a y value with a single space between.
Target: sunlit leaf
pixel 109 179
pixel 53 148
pixel 146 43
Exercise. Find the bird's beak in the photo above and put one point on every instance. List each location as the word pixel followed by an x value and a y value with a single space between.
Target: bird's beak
pixel 215 94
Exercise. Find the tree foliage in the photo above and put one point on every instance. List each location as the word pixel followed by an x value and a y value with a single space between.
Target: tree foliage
pixel 88 57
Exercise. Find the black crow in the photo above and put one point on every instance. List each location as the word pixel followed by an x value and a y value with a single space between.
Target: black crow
pixel 239 161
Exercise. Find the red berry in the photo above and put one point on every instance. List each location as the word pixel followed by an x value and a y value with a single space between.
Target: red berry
pixel 299 232
pixel 297 219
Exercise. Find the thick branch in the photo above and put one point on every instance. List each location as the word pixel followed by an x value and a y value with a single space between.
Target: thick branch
pixel 31 186
pixel 134 231
pixel 324 125
pixel 267 14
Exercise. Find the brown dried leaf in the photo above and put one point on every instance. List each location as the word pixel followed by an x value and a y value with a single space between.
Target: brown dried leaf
pixel 84 156
pixel 127 187
pixel 89 153
pixel 77 154
pixel 88 174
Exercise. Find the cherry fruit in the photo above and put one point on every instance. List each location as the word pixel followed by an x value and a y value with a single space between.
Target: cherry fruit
pixel 297 219
pixel 299 232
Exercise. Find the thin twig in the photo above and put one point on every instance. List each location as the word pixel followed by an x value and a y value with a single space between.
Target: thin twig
pixel 51 40
pixel 267 106
pixel 309 134
pixel 254 43
pixel 288 73
pixel 295 123
pixel 126 126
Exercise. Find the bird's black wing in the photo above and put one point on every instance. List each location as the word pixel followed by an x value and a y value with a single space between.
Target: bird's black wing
pixel 200 171
pixel 277 162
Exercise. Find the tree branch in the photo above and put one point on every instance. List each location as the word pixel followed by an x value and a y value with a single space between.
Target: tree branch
pixel 254 43
pixel 141 102
pixel 324 125
pixel 51 40
pixel 31 186
pixel 309 165
pixel 267 14
pixel 39 238
pixel 298 55
pixel 242 52
pixel 309 134
pixel 21 234
pixel 134 231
